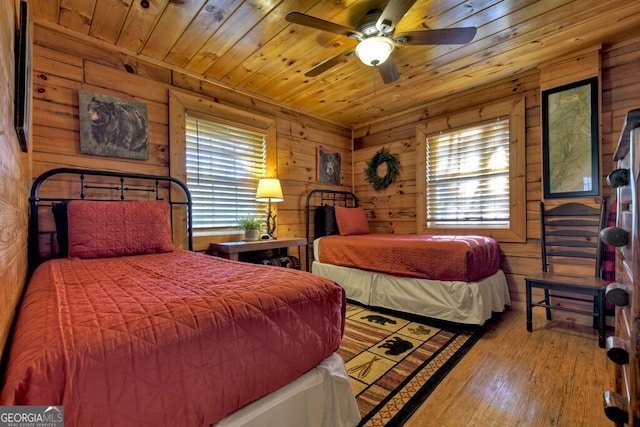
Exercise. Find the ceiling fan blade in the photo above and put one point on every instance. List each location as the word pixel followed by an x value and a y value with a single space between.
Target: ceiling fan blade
pixel 328 64
pixel 388 71
pixel 392 14
pixel 461 35
pixel 321 24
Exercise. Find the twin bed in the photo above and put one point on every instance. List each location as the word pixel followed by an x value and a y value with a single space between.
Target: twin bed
pixel 451 278
pixel 128 329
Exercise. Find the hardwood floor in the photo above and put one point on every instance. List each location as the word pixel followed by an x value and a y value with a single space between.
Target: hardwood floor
pixel 553 376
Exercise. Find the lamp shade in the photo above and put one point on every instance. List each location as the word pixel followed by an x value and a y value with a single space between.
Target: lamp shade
pixel 373 51
pixel 269 190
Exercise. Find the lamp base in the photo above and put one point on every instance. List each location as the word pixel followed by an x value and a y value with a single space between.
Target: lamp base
pixel 271 223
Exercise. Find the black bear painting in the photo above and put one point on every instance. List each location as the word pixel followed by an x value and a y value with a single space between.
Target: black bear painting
pixel 329 165
pixel 113 127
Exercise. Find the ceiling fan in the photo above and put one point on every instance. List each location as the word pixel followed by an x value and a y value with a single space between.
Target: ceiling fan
pixel 376 39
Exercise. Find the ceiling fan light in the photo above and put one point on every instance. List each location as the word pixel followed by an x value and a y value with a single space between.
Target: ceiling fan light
pixel 373 51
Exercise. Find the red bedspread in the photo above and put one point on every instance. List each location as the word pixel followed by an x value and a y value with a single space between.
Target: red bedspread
pixel 178 339
pixel 462 258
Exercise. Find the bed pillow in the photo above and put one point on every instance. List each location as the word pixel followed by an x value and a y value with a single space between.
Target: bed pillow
pixel 330 222
pixel 318 223
pixel 325 221
pixel 351 221
pixel 109 229
pixel 62 233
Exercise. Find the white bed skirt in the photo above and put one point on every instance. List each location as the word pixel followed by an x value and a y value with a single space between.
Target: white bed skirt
pixel 461 302
pixel 320 398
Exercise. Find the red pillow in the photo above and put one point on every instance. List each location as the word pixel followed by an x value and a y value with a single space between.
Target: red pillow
pixel 352 221
pixel 109 229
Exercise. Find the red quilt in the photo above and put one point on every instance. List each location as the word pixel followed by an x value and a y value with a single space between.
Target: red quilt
pixel 437 257
pixel 177 338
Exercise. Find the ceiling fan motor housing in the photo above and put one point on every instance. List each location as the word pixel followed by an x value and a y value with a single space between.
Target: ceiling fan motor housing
pixel 367 25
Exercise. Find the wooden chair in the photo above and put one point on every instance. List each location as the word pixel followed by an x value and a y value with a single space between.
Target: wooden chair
pixel 570 232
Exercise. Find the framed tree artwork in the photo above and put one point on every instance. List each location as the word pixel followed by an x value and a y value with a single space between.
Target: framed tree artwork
pixel 570 143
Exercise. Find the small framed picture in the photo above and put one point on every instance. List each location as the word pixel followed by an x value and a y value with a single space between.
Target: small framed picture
pixel 329 166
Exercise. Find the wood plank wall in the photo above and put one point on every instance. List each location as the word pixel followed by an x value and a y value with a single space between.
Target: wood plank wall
pixel 63 65
pixel 393 209
pixel 14 184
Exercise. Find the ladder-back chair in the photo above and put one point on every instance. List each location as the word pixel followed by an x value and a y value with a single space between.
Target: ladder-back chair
pixel 570 232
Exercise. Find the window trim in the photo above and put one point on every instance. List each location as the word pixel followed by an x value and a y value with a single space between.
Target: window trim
pixel 181 103
pixel 515 109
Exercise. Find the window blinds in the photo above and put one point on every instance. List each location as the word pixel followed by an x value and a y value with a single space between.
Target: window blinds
pixel 468 176
pixel 224 165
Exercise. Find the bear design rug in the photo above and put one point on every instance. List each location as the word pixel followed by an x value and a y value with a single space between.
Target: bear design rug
pixel 395 360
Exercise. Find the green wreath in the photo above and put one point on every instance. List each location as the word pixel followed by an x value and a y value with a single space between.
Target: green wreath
pixel 371 172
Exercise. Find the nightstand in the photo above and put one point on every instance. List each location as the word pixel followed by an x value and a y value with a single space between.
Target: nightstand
pixel 232 250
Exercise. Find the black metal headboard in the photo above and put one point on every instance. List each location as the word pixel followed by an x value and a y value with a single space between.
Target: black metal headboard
pixel 318 198
pixel 66 184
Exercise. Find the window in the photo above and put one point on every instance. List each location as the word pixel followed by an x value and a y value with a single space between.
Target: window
pixel 472 176
pixel 230 149
pixel 468 176
pixel 224 164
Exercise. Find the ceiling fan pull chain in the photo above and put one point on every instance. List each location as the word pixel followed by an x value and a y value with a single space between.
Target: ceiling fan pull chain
pixel 373 76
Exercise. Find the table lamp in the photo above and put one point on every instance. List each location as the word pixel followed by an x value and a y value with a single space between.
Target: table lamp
pixel 269 190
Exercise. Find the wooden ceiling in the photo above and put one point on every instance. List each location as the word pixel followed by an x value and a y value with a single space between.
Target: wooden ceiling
pixel 247 45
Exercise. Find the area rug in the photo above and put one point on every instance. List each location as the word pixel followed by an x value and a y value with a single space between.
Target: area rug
pixel 395 360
